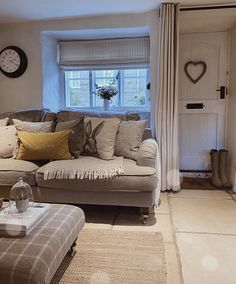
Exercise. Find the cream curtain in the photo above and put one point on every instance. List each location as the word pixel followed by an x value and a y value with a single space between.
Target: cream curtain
pixel 167 103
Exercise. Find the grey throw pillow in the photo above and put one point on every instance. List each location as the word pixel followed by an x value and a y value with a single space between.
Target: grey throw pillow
pixel 129 138
pixel 77 138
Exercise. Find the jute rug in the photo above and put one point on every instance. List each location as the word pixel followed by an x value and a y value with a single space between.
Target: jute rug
pixel 115 257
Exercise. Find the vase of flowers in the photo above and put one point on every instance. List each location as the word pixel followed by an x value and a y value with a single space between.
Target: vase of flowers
pixel 106 92
pixel 106 104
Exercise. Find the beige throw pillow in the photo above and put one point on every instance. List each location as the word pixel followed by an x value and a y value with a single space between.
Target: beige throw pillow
pixel 33 126
pixel 77 138
pixel 129 138
pixel 4 121
pixel 100 135
pixel 8 141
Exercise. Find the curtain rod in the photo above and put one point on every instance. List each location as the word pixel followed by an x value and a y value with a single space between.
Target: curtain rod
pixel 215 7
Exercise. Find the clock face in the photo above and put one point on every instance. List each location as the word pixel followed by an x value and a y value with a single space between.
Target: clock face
pixel 13 61
pixel 9 60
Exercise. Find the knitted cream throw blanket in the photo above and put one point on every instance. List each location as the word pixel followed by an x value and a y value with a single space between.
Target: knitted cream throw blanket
pixel 85 167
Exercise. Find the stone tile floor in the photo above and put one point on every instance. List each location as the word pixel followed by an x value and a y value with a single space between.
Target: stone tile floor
pixel 198 228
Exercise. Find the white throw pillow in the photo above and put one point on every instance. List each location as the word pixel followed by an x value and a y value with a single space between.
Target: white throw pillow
pixel 129 138
pixel 33 126
pixel 100 135
pixel 8 141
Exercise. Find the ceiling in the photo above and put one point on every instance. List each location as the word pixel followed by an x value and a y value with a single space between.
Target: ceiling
pixel 26 10
pixel 13 11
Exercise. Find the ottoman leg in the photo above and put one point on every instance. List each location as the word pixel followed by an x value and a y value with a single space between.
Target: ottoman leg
pixel 144 214
pixel 72 250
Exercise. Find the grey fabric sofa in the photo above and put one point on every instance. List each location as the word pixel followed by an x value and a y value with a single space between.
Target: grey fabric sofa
pixel 137 187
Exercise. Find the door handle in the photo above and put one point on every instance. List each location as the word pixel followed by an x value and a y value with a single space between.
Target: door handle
pixel 222 91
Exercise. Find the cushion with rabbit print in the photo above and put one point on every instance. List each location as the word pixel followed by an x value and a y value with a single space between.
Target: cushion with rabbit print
pixel 100 136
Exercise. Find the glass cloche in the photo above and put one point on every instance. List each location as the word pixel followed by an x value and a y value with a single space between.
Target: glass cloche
pixel 21 197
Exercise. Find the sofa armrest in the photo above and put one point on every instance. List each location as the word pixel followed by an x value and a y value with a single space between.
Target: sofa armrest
pixel 147 153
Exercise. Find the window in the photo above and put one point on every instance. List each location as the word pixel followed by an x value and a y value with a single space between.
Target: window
pixel 80 88
pixel 88 64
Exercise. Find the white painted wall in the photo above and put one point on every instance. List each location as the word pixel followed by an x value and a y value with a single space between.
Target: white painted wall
pixel 27 90
pixel 52 98
pixel 231 117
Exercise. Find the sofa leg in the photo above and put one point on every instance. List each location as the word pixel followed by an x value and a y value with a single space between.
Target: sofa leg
pixel 72 250
pixel 144 215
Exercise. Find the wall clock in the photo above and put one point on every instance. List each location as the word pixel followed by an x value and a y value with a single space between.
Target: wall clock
pixel 13 61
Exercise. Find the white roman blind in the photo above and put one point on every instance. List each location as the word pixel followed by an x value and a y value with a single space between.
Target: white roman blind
pixel 105 53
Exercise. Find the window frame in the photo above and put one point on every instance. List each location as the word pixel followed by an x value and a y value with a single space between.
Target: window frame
pixel 120 89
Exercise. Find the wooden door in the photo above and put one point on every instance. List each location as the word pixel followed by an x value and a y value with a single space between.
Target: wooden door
pixel 201 104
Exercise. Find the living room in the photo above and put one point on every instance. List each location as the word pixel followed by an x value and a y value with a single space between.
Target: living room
pixel 161 212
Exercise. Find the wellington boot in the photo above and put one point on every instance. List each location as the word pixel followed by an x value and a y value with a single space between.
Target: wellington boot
pixel 215 179
pixel 223 156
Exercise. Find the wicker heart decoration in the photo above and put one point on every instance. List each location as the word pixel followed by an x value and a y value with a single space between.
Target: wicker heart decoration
pixel 195 63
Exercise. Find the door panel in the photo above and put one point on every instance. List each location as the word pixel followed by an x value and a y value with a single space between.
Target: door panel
pixel 194 154
pixel 201 129
pixel 208 53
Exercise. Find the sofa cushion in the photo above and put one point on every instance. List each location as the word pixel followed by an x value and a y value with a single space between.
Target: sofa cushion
pixel 100 135
pixel 8 141
pixel 136 178
pixel 44 146
pixel 11 170
pixel 49 116
pixel 4 121
pixel 71 115
pixel 76 139
pixel 33 115
pixel 129 138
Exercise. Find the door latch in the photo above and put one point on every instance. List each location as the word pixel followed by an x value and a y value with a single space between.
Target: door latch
pixel 222 91
pixel 195 106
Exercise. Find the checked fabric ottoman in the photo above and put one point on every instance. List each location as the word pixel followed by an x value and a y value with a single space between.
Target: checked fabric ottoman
pixel 35 258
